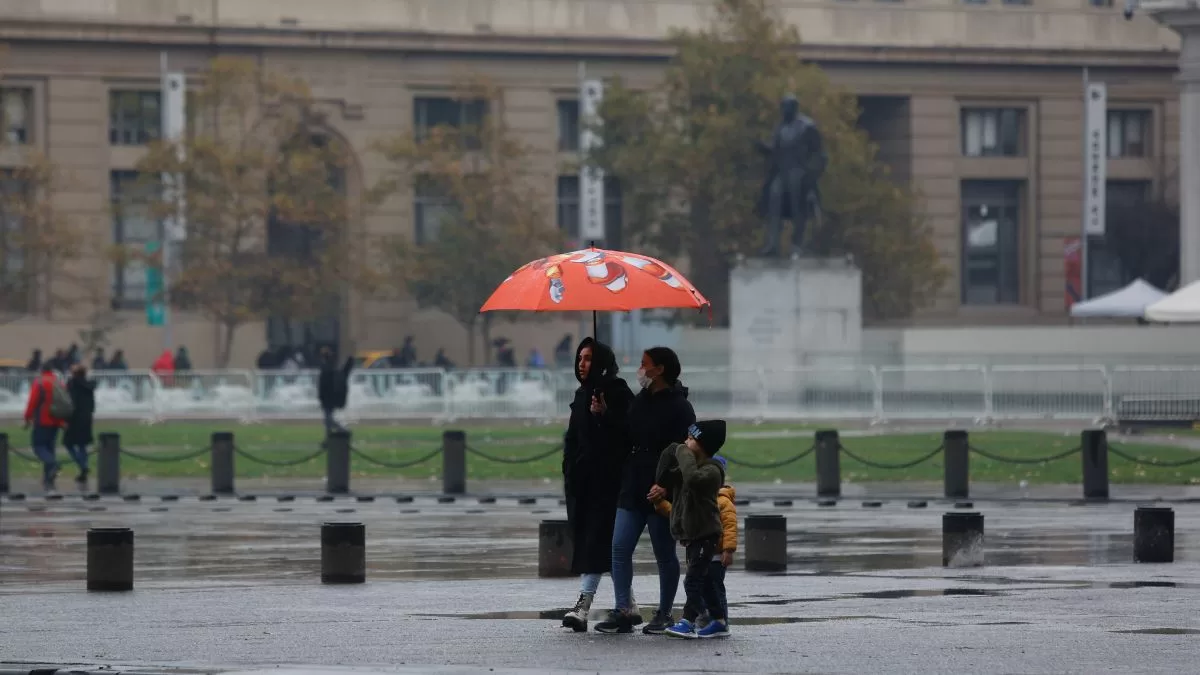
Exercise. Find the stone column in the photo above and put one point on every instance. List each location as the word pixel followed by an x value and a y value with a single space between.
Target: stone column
pixel 1189 151
pixel 1184 18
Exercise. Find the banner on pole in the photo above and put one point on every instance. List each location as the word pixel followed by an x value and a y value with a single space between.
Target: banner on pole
pixel 1096 164
pixel 156 309
pixel 174 121
pixel 591 179
pixel 1073 270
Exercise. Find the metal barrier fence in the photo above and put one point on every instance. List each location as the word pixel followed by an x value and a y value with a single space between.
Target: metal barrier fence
pixel 955 392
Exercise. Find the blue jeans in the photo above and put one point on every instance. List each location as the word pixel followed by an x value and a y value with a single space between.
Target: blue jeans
pixel 626 532
pixel 43 440
pixel 79 454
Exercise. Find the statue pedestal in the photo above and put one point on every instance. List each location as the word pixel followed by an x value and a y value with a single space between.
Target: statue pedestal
pixel 800 321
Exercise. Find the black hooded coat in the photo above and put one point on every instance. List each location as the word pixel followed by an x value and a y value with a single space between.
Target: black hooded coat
pixel 595 448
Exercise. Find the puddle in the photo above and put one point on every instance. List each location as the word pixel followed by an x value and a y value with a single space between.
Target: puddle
pixel 877 595
pixel 1159 631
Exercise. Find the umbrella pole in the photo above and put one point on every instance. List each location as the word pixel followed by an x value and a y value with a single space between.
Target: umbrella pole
pixel 595 323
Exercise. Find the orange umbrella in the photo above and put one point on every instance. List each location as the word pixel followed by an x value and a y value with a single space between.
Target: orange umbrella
pixel 594 280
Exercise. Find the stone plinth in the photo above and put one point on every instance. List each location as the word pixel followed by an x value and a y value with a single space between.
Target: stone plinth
pixel 799 321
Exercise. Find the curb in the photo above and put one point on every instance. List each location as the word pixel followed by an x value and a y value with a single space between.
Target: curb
pixel 52 669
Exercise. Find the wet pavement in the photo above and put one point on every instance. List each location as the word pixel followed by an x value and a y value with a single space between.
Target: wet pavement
pixel 234 585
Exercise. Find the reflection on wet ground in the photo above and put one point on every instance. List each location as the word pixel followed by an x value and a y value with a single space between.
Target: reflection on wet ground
pixel 190 539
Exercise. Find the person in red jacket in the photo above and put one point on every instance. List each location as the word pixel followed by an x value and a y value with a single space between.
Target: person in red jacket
pixel 164 368
pixel 45 426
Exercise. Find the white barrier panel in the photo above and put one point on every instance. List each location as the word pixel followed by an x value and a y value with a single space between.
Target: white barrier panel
pixel 1156 392
pixel 501 393
pixel 821 392
pixel 934 392
pixel 402 394
pixel 1049 392
pixel 951 393
pixel 206 394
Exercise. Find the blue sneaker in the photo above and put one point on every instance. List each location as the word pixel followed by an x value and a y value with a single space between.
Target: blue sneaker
pixel 714 629
pixel 683 629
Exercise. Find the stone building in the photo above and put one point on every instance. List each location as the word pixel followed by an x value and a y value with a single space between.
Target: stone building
pixel 977 102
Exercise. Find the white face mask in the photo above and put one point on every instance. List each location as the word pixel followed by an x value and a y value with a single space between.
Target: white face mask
pixel 643 379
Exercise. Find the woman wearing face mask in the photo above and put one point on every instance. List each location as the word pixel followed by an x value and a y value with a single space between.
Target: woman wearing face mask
pixel 660 415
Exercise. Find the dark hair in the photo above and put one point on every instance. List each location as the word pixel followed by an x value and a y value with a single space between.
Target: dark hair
pixel 666 357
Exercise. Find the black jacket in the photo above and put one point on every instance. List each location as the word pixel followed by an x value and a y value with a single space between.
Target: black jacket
pixel 333 386
pixel 655 421
pixel 595 448
pixel 79 426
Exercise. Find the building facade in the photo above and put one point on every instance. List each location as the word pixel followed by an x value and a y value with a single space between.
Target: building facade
pixel 977 103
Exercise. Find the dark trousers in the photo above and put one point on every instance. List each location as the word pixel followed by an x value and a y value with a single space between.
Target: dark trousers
pixel 43 440
pixel 716 579
pixel 698 582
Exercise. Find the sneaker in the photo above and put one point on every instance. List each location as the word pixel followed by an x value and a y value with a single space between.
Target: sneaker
pixel 714 629
pixel 684 629
pixel 81 479
pixel 577 618
pixel 658 624
pixel 635 613
pixel 617 622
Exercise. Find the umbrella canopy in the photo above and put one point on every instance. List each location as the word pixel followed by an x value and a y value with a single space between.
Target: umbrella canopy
pixel 1182 306
pixel 1129 302
pixel 594 280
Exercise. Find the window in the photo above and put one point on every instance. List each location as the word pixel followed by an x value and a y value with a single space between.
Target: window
pixel 975 2
pixel 991 239
pixel 1018 2
pixel 16 108
pixel 568 126
pixel 992 132
pixel 134 117
pixel 441 111
pixel 134 228
pixel 1128 133
pixel 568 210
pixel 431 208
pixel 1106 273
pixel 1101 3
pixel 14 289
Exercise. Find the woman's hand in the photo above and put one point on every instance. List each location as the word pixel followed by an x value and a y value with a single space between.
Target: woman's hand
pixel 656 493
pixel 726 558
pixel 599 407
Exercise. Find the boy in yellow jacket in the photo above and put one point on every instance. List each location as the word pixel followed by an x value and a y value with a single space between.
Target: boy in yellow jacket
pixel 718 625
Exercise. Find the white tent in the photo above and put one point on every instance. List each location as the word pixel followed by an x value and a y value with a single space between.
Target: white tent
pixel 1182 306
pixel 1129 302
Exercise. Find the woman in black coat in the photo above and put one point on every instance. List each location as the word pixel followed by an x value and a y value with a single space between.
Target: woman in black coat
pixel 594 451
pixel 78 435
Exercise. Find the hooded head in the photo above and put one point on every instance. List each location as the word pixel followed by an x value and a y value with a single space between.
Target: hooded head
pixel 601 366
pixel 789 107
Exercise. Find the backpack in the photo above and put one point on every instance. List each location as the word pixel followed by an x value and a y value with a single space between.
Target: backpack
pixel 61 405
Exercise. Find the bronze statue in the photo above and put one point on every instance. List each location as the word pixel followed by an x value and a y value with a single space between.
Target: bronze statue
pixel 796 162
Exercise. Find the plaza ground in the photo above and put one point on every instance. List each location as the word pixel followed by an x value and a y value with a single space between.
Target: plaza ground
pixel 452 588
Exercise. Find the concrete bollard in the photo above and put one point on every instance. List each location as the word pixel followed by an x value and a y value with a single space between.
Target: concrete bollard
pixel 343 553
pixel 556 548
pixel 766 543
pixel 454 462
pixel 108 464
pixel 829 470
pixel 337 463
pixel 110 559
pixel 1153 534
pixel 955 447
pixel 3 464
pixel 962 539
pixel 222 462
pixel 1094 443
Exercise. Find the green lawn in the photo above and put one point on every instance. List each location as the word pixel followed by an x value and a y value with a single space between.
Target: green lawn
pixel 402 443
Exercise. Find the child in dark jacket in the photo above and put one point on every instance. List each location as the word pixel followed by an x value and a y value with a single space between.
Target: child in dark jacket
pixel 717 624
pixel 688 476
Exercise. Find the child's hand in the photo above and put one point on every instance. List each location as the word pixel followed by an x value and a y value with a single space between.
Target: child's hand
pixel 656 493
pixel 726 558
